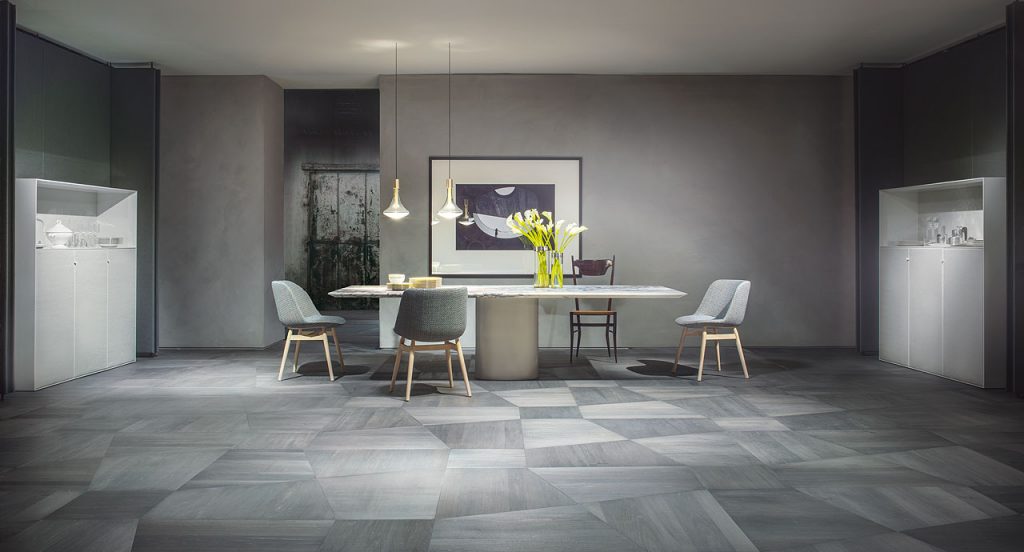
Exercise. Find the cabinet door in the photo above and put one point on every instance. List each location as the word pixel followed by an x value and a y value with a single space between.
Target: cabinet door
pixel 925 306
pixel 90 311
pixel 121 307
pixel 55 317
pixel 963 315
pixel 893 321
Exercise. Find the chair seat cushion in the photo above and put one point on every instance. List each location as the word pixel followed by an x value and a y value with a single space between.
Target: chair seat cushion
pixel 320 321
pixel 698 320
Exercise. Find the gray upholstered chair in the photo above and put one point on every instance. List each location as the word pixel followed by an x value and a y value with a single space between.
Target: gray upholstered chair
pixel 723 308
pixel 304 323
pixel 438 317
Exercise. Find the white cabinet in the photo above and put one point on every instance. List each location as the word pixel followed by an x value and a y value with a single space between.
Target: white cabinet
pixel 74 312
pixel 54 325
pixel 121 307
pixel 924 309
pixel 942 299
pixel 893 323
pixel 90 311
pixel 963 323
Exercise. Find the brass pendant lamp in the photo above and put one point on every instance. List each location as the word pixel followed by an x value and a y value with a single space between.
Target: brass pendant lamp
pixel 449 210
pixel 395 209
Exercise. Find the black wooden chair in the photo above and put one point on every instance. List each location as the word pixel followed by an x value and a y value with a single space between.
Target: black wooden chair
pixel 592 268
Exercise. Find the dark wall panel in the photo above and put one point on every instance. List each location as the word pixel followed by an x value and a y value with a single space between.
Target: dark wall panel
pixel 879 165
pixel 134 150
pixel 1015 195
pixel 955 112
pixel 62 123
pixel 7 47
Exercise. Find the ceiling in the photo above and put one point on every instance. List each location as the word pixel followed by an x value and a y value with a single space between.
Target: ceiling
pixel 347 43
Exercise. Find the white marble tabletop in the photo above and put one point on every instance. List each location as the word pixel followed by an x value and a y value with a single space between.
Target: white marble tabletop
pixel 569 291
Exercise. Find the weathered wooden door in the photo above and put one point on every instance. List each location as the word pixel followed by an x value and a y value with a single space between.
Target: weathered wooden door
pixel 344 238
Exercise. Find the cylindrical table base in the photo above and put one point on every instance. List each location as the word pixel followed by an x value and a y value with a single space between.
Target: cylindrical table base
pixel 506 338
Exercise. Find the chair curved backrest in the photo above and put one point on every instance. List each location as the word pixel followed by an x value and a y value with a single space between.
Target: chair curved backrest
pixel 432 314
pixel 592 267
pixel 293 303
pixel 726 300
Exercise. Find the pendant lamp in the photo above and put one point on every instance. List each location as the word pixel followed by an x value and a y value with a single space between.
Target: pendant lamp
pixel 395 209
pixel 449 210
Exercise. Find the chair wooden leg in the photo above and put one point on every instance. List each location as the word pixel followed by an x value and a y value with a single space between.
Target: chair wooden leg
pixel 284 356
pixel 607 331
pixel 448 359
pixel 718 350
pixel 679 351
pixel 572 336
pixel 337 347
pixel 579 340
pixel 462 365
pixel 327 355
pixel 703 347
pixel 739 347
pixel 398 362
pixel 408 381
pixel 615 338
pixel 295 362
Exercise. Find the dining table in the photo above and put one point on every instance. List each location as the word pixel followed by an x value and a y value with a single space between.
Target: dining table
pixel 506 319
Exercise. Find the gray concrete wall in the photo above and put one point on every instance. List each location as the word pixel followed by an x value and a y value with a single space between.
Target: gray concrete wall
pixel 686 179
pixel 220 219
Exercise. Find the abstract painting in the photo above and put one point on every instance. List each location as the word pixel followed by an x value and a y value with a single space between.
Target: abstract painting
pixel 489 206
pixel 494 188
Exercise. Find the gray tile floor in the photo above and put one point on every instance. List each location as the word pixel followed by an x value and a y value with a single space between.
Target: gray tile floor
pixel 205 450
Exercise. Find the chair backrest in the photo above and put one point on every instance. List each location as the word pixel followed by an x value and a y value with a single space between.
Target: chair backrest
pixel 293 303
pixel 432 314
pixel 726 300
pixel 592 267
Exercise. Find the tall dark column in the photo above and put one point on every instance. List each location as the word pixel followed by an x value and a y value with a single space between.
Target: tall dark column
pixel 878 110
pixel 7 31
pixel 134 161
pixel 1015 194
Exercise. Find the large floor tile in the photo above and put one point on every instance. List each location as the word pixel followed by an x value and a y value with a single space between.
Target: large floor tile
pixel 163 470
pixel 563 432
pixel 566 529
pixel 345 462
pixel 220 536
pixel 349 419
pixel 775 519
pixel 468 492
pixel 74 535
pixel 553 396
pixel 690 521
pixel 634 410
pixel 291 500
pixel 389 438
pixel 959 465
pixel 462 414
pixel 886 542
pixel 393 495
pixel 700 449
pixel 110 505
pixel 487 458
pixel 487 435
pixel 613 453
pixel 379 535
pixel 251 467
pixel 903 508
pixel 1002 534
pixel 654 427
pixel 596 484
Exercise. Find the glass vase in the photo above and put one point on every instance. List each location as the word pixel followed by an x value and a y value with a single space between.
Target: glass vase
pixel 542 276
pixel 555 280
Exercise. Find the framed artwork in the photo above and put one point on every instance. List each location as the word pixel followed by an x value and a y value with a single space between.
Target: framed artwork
pixel 492 188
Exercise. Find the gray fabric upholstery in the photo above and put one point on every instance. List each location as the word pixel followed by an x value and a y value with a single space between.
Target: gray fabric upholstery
pixel 296 310
pixel 724 304
pixel 432 314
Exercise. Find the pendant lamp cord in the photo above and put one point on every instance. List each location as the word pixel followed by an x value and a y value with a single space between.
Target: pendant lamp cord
pixel 396 111
pixel 449 110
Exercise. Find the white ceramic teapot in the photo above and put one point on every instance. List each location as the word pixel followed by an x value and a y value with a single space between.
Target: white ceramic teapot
pixel 59 235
